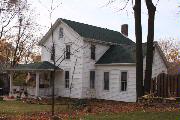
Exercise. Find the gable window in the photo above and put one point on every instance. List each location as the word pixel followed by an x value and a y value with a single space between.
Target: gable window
pixel 92 79
pixel 123 81
pixel 93 52
pixel 60 32
pixel 106 80
pixel 66 79
pixel 67 53
pixel 52 53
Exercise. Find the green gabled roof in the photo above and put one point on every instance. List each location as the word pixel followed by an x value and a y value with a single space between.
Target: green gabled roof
pixel 98 33
pixel 120 54
pixel 45 65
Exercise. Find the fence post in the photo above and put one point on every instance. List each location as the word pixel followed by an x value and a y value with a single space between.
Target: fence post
pixel 164 85
pixel 158 86
pixel 178 85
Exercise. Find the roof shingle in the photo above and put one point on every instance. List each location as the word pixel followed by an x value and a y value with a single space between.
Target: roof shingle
pixel 98 33
pixel 45 65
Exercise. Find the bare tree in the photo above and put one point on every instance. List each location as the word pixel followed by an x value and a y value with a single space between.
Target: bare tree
pixel 8 12
pixel 150 39
pixel 19 28
pixel 139 54
pixel 139 57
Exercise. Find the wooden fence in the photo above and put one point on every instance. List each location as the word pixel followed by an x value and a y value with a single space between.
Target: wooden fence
pixel 165 85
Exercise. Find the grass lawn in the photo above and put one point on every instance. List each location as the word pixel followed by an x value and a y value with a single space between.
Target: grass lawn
pixel 136 116
pixel 18 108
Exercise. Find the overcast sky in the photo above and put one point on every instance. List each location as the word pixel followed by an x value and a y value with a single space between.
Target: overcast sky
pixel 95 12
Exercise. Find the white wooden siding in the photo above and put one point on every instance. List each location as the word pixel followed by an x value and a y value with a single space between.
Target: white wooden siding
pixel 81 83
pixel 158 64
pixel 76 42
pixel 114 92
pixel 89 64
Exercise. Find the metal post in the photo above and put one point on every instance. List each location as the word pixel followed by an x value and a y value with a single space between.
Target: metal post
pixel 37 84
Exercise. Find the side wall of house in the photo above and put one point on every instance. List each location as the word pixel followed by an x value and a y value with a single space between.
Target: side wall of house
pixel 158 64
pixel 114 92
pixel 72 65
pixel 89 65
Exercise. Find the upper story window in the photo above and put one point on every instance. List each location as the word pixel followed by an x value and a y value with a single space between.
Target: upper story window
pixel 93 52
pixel 106 80
pixel 123 81
pixel 60 32
pixel 92 79
pixel 52 53
pixel 67 52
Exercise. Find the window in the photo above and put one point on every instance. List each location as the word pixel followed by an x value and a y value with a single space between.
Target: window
pixel 60 32
pixel 67 53
pixel 66 79
pixel 123 81
pixel 92 79
pixel 106 80
pixel 93 52
pixel 52 53
pixel 44 80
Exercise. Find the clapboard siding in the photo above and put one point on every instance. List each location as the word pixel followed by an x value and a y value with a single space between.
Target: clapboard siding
pixel 89 64
pixel 80 49
pixel 158 64
pixel 76 42
pixel 114 92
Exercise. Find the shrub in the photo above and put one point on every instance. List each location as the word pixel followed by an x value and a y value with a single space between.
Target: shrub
pixel 1 83
pixel 1 98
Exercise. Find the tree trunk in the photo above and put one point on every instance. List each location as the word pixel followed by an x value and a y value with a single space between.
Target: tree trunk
pixel 139 57
pixel 150 39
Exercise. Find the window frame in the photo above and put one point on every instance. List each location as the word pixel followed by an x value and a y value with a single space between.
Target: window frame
pixel 67 80
pixel 61 32
pixel 92 80
pixel 52 56
pixel 68 52
pixel 123 82
pixel 93 52
pixel 104 82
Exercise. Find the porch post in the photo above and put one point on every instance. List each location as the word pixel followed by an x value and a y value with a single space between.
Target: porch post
pixel 37 84
pixel 10 82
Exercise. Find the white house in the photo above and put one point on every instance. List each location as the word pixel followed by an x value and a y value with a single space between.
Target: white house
pixel 94 62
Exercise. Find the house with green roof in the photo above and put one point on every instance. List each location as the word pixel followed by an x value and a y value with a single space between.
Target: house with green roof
pixel 94 62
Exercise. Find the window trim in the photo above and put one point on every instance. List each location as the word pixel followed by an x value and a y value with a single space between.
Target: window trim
pixel 66 79
pixel 93 52
pixel 66 52
pixel 104 81
pixel 62 34
pixel 90 86
pixel 126 80
pixel 51 54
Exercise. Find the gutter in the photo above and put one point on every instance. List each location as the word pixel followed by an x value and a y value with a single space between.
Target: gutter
pixel 115 64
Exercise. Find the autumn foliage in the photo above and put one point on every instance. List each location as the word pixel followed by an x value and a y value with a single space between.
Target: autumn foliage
pixel 171 49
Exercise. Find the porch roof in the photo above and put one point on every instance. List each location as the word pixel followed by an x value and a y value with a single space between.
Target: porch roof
pixel 38 66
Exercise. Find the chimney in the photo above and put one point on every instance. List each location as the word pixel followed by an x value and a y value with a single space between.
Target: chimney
pixel 124 29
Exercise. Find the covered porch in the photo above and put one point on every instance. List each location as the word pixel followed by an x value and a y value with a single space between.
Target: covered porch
pixel 37 81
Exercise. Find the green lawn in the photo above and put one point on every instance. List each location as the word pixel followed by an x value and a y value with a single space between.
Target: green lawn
pixel 18 107
pixel 136 116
